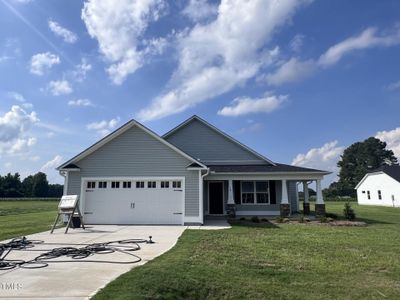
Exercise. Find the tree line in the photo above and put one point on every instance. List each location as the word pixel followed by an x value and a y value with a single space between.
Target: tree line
pixel 32 186
pixel 357 160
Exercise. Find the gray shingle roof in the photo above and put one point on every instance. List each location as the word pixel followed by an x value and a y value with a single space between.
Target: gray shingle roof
pixel 392 171
pixel 261 169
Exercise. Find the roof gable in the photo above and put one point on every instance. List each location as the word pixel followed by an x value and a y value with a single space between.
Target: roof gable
pixel 207 143
pixel 391 171
pixel 117 133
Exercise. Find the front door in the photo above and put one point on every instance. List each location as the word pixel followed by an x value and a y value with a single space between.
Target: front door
pixel 216 198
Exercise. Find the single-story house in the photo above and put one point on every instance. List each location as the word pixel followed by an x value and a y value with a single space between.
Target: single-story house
pixel 134 176
pixel 380 187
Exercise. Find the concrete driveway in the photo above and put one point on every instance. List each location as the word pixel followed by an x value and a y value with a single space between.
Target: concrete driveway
pixel 81 280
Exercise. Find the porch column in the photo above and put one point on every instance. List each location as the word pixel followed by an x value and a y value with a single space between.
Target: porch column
pixel 306 203
pixel 284 206
pixel 319 204
pixel 231 201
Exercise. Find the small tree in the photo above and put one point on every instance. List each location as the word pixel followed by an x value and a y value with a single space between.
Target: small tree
pixel 348 211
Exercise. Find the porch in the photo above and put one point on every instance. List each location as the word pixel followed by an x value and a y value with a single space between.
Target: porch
pixel 259 195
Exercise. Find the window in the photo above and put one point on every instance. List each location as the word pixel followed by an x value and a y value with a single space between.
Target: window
pixel 126 184
pixel 176 184
pixel 164 184
pixel 363 192
pixel 262 192
pixel 368 195
pixel 115 184
pixel 247 192
pixel 379 195
pixel 91 184
pixel 139 184
pixel 102 184
pixel 151 184
pixel 255 192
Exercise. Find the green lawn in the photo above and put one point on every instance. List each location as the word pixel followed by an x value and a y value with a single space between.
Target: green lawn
pixel 19 218
pixel 276 262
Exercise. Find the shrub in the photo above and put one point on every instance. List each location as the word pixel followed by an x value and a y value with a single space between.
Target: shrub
pixel 242 219
pixel 279 219
pixel 264 220
pixel 303 219
pixel 331 215
pixel 255 219
pixel 348 212
pixel 323 219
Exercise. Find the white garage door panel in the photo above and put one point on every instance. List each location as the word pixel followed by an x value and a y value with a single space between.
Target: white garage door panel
pixel 133 205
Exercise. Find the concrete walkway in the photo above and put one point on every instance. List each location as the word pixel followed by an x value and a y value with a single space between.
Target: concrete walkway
pixel 213 224
pixel 81 280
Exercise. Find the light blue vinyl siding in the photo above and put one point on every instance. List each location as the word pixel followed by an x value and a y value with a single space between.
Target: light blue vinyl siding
pixel 135 153
pixel 202 142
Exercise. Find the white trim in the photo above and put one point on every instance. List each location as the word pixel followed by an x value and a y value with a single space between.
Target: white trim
pixel 118 132
pixel 65 188
pixel 72 170
pixel 134 178
pixel 252 176
pixel 257 213
pixel 254 193
pixel 201 204
pixel 220 132
pixel 223 197
pixel 191 219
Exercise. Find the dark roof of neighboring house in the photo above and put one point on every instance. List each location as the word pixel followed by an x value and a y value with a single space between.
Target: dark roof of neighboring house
pixel 392 171
pixel 261 169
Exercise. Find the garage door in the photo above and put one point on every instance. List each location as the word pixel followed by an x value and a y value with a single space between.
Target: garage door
pixel 150 201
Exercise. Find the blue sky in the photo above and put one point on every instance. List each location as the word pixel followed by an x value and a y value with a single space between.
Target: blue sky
pixel 298 81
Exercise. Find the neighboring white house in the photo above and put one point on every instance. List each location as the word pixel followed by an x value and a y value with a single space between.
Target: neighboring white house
pixel 380 187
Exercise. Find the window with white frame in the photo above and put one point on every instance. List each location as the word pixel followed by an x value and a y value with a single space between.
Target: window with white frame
pixel 164 184
pixel 255 192
pixel 126 184
pixel 151 184
pixel 176 184
pixel 102 184
pixel 91 184
pixel 379 195
pixel 139 184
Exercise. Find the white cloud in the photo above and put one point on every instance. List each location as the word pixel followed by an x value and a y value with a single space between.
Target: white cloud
pixel 394 86
pixel 323 158
pixel 52 164
pixel 369 38
pixel 297 42
pixel 16 96
pixel 246 105
pixel 14 127
pixel 291 71
pixel 49 168
pixel 50 134
pixel 120 37
pixel 42 62
pixel 392 139
pixel 79 74
pixel 59 87
pixel 223 54
pixel 80 102
pixel 198 10
pixel 67 35
pixel 296 70
pixel 103 127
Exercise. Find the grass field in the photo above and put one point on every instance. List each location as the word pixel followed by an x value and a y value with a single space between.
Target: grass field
pixel 25 217
pixel 289 261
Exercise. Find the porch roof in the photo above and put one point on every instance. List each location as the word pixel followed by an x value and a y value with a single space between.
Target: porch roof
pixel 278 168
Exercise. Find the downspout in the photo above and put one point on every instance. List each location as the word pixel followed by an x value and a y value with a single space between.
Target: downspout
pixel 65 175
pixel 201 212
